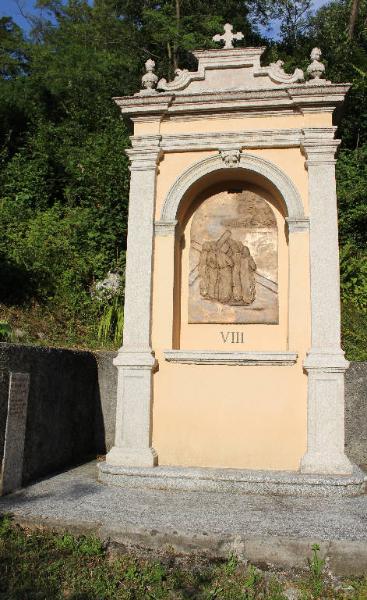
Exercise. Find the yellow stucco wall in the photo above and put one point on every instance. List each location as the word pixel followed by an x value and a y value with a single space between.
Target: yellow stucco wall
pixel 234 123
pixel 232 416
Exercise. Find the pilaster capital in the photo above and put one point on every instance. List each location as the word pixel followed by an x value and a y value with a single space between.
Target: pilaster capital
pixel 325 361
pixel 296 225
pixel 135 358
pixel 165 228
pixel 319 146
pixel 145 153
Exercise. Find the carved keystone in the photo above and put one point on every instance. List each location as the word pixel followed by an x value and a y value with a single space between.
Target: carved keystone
pixel 231 158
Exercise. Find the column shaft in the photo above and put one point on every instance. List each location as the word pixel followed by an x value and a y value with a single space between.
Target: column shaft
pixel 135 361
pixel 325 362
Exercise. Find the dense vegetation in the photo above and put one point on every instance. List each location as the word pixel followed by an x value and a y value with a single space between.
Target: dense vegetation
pixel 43 565
pixel 63 172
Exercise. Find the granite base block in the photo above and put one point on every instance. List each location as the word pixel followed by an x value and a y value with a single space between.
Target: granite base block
pixel 233 480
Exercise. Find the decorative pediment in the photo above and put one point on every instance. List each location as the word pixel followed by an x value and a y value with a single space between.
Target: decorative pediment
pixel 277 74
pixel 232 79
pixel 230 69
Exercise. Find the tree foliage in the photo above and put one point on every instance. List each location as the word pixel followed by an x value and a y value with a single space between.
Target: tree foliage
pixel 63 172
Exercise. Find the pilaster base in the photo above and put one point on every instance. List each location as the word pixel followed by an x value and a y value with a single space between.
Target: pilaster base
pixel 321 464
pixel 133 411
pixel 129 457
pixel 325 436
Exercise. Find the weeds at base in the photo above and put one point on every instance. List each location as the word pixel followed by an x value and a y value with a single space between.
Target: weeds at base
pixel 44 565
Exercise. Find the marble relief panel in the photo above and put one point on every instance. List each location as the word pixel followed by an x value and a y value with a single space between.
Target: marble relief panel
pixel 234 260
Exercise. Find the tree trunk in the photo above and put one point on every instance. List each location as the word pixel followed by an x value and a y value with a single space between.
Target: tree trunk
pixel 353 18
pixel 175 48
pixel 169 54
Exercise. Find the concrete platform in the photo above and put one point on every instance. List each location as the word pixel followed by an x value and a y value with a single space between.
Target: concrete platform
pixel 273 529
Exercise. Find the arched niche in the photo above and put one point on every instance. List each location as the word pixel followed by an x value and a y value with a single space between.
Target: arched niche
pixel 185 195
pixel 250 168
pixel 231 239
pixel 251 217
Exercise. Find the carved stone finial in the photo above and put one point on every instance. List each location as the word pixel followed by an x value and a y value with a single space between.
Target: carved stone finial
pixel 181 79
pixel 231 158
pixel 228 36
pixel 149 80
pixel 316 69
pixel 277 74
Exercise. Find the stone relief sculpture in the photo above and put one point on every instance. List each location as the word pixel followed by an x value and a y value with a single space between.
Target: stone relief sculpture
pixel 233 260
pixel 231 158
pixel 227 271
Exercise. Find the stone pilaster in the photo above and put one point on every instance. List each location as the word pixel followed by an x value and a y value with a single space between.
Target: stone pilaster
pixel 325 362
pixel 135 360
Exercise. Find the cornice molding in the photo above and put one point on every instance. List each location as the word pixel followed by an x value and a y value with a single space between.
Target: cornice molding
pixel 263 138
pixel 143 161
pixel 217 357
pixel 234 114
pixel 313 136
pixel 145 153
pixel 150 141
pixel 278 99
pixel 319 146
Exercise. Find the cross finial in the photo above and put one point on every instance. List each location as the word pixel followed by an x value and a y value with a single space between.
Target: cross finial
pixel 228 36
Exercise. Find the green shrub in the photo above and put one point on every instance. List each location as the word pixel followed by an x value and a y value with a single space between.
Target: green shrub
pixel 5 331
pixel 354 332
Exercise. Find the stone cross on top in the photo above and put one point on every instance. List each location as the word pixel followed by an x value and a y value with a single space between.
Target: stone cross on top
pixel 228 36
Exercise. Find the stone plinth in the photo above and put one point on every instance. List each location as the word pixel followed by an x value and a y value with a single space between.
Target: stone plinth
pixel 234 481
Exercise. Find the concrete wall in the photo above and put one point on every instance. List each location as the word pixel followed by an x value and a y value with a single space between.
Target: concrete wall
pixel 72 403
pixel 356 412
pixel 70 408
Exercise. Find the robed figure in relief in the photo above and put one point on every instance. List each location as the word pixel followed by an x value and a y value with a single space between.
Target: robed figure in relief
pixel 233 259
pixel 227 271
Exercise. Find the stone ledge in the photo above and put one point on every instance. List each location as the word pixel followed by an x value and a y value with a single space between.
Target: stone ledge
pixel 295 97
pixel 283 483
pixel 217 357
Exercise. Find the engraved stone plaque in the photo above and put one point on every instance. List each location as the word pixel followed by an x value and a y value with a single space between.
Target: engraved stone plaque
pixel 12 463
pixel 234 260
pixel 4 395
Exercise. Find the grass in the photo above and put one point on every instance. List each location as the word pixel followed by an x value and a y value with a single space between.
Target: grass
pixel 44 565
pixel 35 324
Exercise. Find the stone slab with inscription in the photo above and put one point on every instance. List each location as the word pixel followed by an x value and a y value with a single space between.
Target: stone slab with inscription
pixel 234 260
pixel 4 394
pixel 12 462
